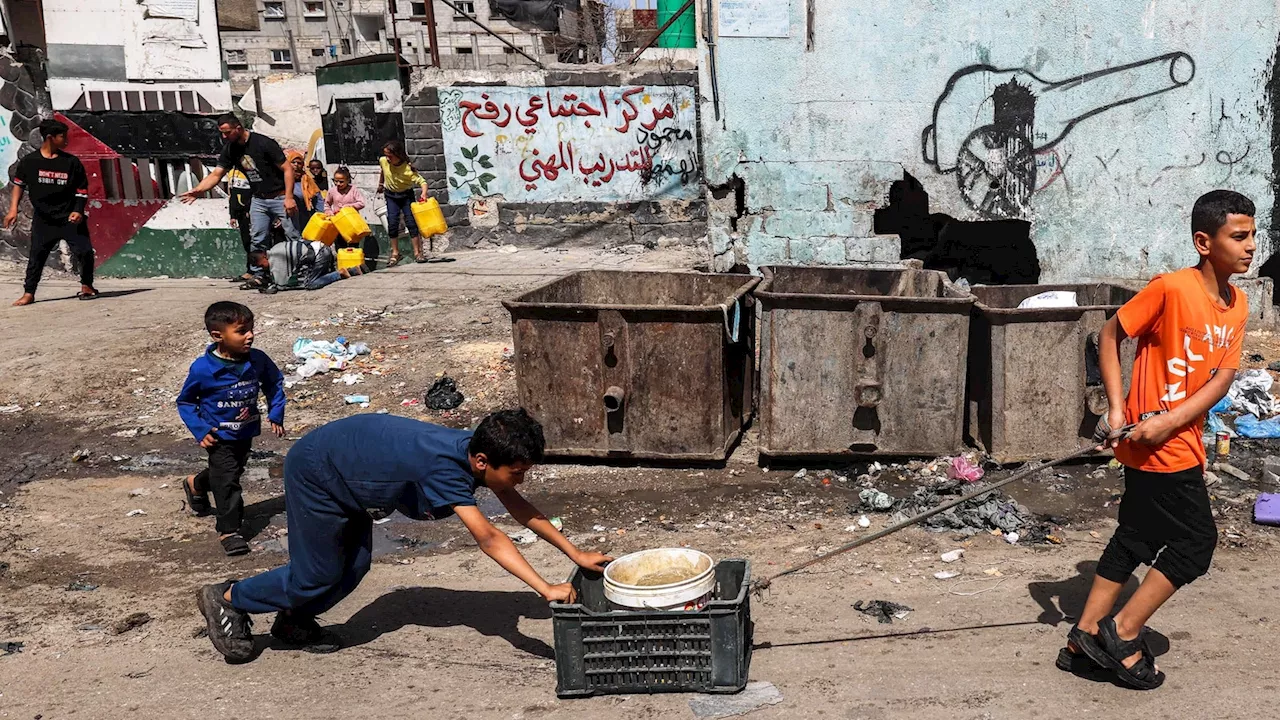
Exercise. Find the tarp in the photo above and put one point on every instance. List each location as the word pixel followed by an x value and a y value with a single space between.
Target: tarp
pixel 532 14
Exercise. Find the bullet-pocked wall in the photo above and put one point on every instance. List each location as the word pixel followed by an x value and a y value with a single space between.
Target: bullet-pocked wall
pixel 1092 126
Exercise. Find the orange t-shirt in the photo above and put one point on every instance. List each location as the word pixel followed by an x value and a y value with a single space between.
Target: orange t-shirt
pixel 1184 337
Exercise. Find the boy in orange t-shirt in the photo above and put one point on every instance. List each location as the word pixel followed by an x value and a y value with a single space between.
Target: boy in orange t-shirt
pixel 1190 329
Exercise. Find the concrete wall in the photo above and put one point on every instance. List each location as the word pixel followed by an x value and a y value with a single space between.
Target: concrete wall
pixel 1099 123
pixel 655 213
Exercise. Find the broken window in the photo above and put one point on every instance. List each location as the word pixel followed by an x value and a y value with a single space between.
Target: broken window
pixel 369 26
pixel 237 58
pixel 273 10
pixel 346 46
pixel 418 9
pixel 462 50
pixel 313 9
pixel 282 57
pixel 317 52
pixel 463 8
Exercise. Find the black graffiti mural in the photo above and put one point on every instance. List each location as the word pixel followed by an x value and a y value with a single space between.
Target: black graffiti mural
pixel 989 123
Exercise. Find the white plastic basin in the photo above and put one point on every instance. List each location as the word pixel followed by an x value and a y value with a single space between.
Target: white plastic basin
pixel 660 579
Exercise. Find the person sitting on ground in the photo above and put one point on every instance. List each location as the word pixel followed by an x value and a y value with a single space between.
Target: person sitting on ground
pixel 219 405
pixel 300 265
pixel 1190 330
pixel 58 186
pixel 338 472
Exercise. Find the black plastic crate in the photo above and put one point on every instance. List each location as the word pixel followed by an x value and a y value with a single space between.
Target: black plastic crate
pixel 602 651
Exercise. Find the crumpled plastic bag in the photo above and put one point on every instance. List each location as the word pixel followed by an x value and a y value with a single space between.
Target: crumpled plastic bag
pixel 875 499
pixel 961 468
pixel 1250 426
pixel 324 355
pixel 1050 299
pixel 1251 393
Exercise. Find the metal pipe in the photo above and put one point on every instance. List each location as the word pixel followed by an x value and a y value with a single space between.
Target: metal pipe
pixel 431 32
pixel 710 36
pixel 648 43
pixel 501 39
pixel 613 398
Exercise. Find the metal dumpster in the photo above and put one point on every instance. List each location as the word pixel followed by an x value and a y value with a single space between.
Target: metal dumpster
pixel 1035 391
pixel 655 365
pixel 858 361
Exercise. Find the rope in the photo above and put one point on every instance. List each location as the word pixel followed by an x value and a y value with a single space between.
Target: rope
pixel 764 583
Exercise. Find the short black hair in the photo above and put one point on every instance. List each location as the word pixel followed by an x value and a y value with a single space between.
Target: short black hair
pixel 50 127
pixel 225 313
pixel 1212 208
pixel 256 256
pixel 229 119
pixel 507 437
pixel 344 170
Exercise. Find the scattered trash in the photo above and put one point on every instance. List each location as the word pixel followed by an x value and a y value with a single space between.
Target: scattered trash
pixel 322 356
pixel 382 521
pixel 79 455
pixel 993 572
pixel 1271 469
pixel 882 610
pixel 508 249
pixel 81 586
pixel 1012 538
pixel 962 468
pixel 135 512
pixel 754 696
pixel 1266 511
pixel 126 433
pixel 946 574
pixel 8 409
pixel 199 632
pixel 1231 470
pixel 952 555
pixel 1050 299
pixel 524 537
pixel 135 620
pixel 361 400
pixel 1251 393
pixel 350 378
pixel 139 492
pixel 1250 426
pixel 408 402
pixel 864 522
pixel 875 499
pixel 1094 534
pixel 801 474
pixel 11 647
pixel 443 394
pixel 557 523
pixel 1275 366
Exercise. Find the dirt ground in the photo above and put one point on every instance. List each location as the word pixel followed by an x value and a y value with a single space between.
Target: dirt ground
pixel 436 629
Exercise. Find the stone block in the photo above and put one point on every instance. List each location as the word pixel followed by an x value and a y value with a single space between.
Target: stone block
pixel 425 147
pixel 421 115
pixel 877 249
pixel 425 96
pixel 675 77
pixel 805 223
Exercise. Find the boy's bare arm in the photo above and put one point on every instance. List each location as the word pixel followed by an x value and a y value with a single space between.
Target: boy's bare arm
pixel 1112 375
pixel 498 546
pixel 1158 428
pixel 523 512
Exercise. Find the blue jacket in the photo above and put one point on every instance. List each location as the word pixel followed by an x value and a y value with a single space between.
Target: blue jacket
pixel 221 397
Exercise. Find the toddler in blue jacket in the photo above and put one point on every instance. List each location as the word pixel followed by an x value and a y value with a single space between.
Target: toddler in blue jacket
pixel 219 404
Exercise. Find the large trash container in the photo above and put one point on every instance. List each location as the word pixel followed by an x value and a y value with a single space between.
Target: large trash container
pixel 656 365
pixel 1035 390
pixel 860 361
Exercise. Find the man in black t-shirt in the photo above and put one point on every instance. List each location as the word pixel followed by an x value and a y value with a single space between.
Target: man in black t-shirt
pixel 270 180
pixel 58 186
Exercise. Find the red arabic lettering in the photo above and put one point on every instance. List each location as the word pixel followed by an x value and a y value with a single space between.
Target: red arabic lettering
pixel 664 112
pixel 631 112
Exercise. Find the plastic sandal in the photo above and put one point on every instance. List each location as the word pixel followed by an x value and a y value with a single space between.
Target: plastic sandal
pixel 1109 651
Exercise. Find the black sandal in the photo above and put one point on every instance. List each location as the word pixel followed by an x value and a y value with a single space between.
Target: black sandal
pixel 87 295
pixel 1108 650
pixel 1075 662
pixel 198 503
pixel 234 545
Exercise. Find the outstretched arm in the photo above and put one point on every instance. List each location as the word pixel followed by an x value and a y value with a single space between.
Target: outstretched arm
pixel 498 546
pixel 529 516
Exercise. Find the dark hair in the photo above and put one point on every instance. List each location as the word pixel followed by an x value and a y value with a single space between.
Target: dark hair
pixel 397 148
pixel 49 127
pixel 508 437
pixel 1212 208
pixel 224 313
pixel 256 256
pixel 229 119
pixel 342 170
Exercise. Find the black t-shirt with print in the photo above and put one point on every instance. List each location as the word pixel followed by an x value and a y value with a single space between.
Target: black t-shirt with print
pixel 259 159
pixel 57 186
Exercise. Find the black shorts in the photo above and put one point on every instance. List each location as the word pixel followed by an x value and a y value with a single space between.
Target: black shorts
pixel 1165 522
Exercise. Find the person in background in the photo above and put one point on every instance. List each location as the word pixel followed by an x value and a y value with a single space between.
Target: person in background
pixel 58 186
pixel 300 266
pixel 239 197
pixel 343 193
pixel 306 193
pixel 316 169
pixel 271 179
pixel 396 184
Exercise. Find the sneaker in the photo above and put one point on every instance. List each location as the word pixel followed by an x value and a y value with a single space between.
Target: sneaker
pixel 303 631
pixel 230 630
pixel 234 545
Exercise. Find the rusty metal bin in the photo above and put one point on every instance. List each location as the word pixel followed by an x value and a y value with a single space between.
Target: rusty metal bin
pixel 860 361
pixel 654 365
pixel 1035 391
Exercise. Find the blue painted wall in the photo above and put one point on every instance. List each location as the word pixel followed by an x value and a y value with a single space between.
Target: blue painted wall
pixel 1166 99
